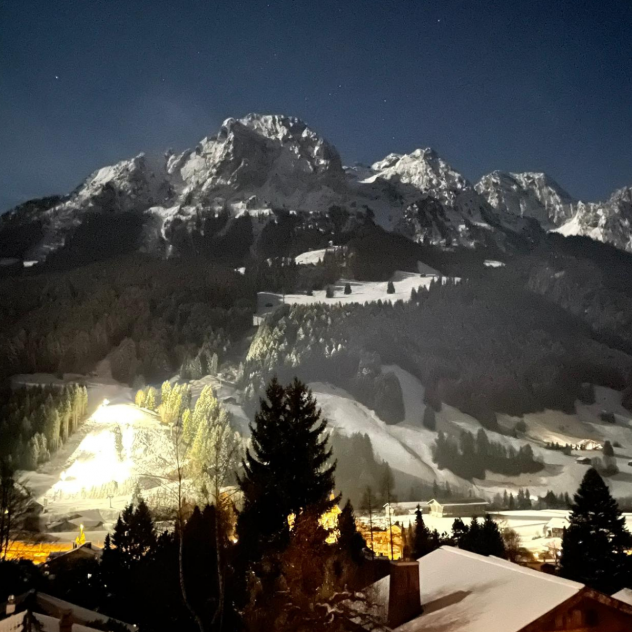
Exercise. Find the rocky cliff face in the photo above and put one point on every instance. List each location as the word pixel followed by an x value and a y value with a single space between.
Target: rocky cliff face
pixel 533 195
pixel 538 196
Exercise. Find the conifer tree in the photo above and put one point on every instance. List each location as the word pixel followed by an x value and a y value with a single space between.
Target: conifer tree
pixel 134 534
pixel 459 531
pixel 390 288
pixel 287 469
pixel 491 540
pixel 350 541
pixel 594 544
pixel 151 402
pixel 165 392
pixel 421 544
pixel 347 288
pixel 140 398
pixel 387 488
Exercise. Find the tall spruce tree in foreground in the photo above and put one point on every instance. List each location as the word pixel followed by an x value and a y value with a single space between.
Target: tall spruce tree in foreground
pixel 287 469
pixel 594 545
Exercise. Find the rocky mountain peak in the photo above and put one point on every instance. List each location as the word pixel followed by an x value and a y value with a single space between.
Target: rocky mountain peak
pixel 528 194
pixel 425 170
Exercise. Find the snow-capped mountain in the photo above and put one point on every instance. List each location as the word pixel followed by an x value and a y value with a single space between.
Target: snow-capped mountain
pixel 609 221
pixel 259 162
pixel 260 165
pixel 424 170
pixel 538 196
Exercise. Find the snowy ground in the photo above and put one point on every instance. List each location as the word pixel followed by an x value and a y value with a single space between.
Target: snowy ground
pixel 407 446
pixel 93 476
pixel 312 257
pixel 361 292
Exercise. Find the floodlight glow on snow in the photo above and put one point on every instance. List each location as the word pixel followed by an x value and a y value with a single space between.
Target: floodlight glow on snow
pixel 99 461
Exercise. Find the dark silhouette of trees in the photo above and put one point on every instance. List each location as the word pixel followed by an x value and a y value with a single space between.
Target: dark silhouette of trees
pixel 135 307
pixel 484 539
pixel 595 543
pixel 422 543
pixel 469 457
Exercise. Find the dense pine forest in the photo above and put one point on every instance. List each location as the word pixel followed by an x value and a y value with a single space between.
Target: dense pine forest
pixel 36 421
pixel 156 314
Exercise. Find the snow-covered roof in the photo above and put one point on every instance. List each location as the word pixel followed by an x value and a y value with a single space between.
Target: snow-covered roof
pixel 465 592
pixel 47 610
pixel 409 504
pixel 463 501
pixel 557 523
pixel 624 595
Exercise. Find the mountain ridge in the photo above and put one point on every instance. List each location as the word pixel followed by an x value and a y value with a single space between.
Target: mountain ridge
pixel 262 164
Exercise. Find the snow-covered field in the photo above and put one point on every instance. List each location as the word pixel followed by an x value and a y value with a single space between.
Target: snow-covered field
pixel 312 257
pixel 407 446
pixel 361 292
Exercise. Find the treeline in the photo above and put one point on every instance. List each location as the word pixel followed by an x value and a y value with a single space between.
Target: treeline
pixel 523 500
pixel 469 457
pixel 482 345
pixel 35 421
pixel 151 315
pixel 484 538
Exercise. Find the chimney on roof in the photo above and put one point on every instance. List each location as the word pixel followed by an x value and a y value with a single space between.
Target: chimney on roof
pixel 10 609
pixel 66 621
pixel 404 599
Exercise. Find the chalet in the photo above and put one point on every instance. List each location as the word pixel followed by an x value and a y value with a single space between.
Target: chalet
pixel 555 527
pixel 79 554
pixel 451 590
pixel 583 460
pixel 459 508
pixel 404 509
pixel 38 611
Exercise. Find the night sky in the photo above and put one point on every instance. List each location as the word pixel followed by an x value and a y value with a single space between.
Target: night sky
pixel 540 85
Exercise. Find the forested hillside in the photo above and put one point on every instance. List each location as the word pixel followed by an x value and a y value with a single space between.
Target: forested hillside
pixel 155 314
pixel 484 345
